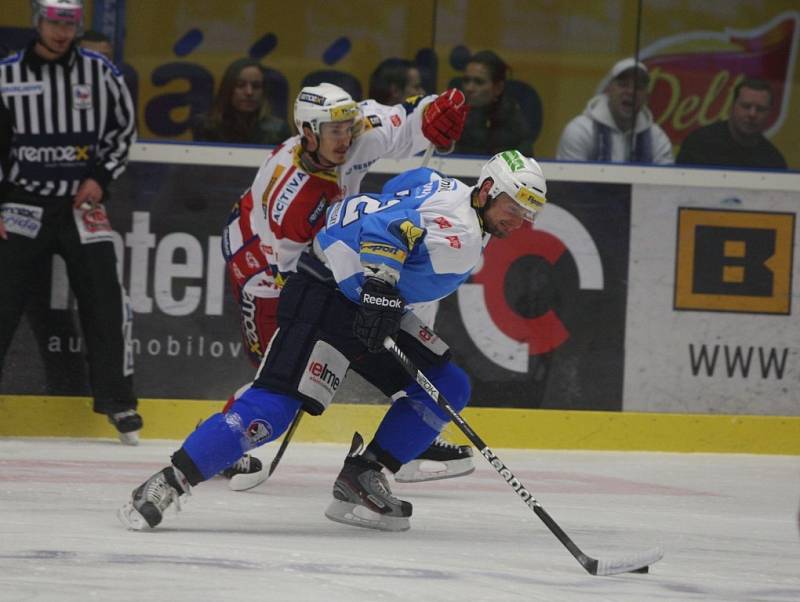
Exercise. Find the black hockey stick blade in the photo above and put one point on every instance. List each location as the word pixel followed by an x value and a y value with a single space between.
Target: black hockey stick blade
pixel 637 563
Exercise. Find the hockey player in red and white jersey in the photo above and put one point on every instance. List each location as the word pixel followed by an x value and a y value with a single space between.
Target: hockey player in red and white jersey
pixel 276 219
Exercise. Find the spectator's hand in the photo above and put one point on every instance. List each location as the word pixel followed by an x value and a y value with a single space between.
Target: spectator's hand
pixel 88 192
pixel 3 234
pixel 379 315
pixel 444 118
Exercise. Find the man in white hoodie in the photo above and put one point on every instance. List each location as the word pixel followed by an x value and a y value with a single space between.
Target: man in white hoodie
pixel 606 131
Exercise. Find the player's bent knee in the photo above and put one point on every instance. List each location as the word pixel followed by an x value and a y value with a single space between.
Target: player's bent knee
pixel 263 415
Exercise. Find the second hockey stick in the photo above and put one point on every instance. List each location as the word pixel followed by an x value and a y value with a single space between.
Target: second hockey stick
pixel 245 481
pixel 636 563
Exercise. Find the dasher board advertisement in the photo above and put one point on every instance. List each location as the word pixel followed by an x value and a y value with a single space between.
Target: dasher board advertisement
pixel 712 307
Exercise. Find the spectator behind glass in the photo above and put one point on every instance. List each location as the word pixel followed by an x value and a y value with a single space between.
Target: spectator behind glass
pixel 617 126
pixel 739 141
pixel 98 42
pixel 240 112
pixel 394 80
pixel 495 121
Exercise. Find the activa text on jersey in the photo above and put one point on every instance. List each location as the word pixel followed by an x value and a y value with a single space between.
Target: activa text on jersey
pixel 175 271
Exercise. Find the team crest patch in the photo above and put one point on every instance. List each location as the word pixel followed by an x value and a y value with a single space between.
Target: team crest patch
pixel 411 233
pixel 81 96
pixel 258 432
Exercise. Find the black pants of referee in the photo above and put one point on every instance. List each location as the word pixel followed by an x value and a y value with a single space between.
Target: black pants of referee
pixel 92 271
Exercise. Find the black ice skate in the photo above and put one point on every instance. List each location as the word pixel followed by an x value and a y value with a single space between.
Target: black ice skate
pixel 361 495
pixel 150 500
pixel 442 460
pixel 128 425
pixel 245 473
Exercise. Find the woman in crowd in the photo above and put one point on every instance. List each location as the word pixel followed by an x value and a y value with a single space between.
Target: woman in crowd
pixel 394 80
pixel 495 121
pixel 240 112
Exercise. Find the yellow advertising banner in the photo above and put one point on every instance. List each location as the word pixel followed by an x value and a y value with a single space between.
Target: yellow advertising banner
pixel 559 53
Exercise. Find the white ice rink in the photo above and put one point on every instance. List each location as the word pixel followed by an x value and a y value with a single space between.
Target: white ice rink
pixel 728 525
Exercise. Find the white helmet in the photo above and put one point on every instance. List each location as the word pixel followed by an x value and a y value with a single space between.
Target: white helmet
pixel 520 177
pixel 324 103
pixel 70 11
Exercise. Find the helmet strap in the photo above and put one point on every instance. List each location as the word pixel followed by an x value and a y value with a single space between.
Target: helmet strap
pixel 311 160
pixel 473 199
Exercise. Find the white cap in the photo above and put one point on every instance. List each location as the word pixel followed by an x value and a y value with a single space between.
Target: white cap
pixel 625 65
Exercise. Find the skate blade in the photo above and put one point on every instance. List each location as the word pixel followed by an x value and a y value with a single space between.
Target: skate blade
pixel 243 482
pixel 131 519
pixel 131 438
pixel 418 471
pixel 360 516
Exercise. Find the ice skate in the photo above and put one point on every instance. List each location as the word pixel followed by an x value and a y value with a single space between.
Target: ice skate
pixel 149 501
pixel 246 473
pixel 128 425
pixel 361 495
pixel 442 460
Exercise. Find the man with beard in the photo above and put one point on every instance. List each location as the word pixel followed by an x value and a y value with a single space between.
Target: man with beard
pixel 376 254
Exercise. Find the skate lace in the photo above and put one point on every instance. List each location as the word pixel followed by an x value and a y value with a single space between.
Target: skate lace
pixel 242 464
pixel 380 484
pixel 161 493
pixel 439 442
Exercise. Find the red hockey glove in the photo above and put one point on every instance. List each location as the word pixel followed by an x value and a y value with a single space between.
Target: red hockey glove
pixel 444 118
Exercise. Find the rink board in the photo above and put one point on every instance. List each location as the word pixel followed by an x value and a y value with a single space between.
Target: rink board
pixel 38 416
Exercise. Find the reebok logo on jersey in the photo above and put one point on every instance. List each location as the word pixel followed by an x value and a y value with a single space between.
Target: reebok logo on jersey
pixel 51 154
pixel 368 299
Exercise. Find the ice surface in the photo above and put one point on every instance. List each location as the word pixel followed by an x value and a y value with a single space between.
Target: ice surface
pixel 728 525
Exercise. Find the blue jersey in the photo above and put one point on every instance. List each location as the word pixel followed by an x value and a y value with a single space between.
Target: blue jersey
pixel 423 227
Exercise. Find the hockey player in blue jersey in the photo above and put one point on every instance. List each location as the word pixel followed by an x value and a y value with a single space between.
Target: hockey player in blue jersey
pixel 414 243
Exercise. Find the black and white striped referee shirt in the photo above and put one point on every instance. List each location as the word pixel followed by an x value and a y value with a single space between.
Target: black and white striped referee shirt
pixel 70 119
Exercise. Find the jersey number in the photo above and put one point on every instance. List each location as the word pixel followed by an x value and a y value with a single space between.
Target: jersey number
pixel 364 205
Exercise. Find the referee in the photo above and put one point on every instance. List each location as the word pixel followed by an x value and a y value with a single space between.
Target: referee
pixel 66 127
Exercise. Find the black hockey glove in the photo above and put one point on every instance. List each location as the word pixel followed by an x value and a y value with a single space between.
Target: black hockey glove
pixel 379 315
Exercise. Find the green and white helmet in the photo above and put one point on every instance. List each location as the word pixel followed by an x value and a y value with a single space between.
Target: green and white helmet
pixel 324 103
pixel 520 177
pixel 70 11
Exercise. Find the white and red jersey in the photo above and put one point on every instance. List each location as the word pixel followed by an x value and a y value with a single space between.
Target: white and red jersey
pixel 276 219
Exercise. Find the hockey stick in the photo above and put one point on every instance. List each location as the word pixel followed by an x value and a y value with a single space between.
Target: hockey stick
pixel 285 443
pixel 245 481
pixel 636 563
pixel 426 158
